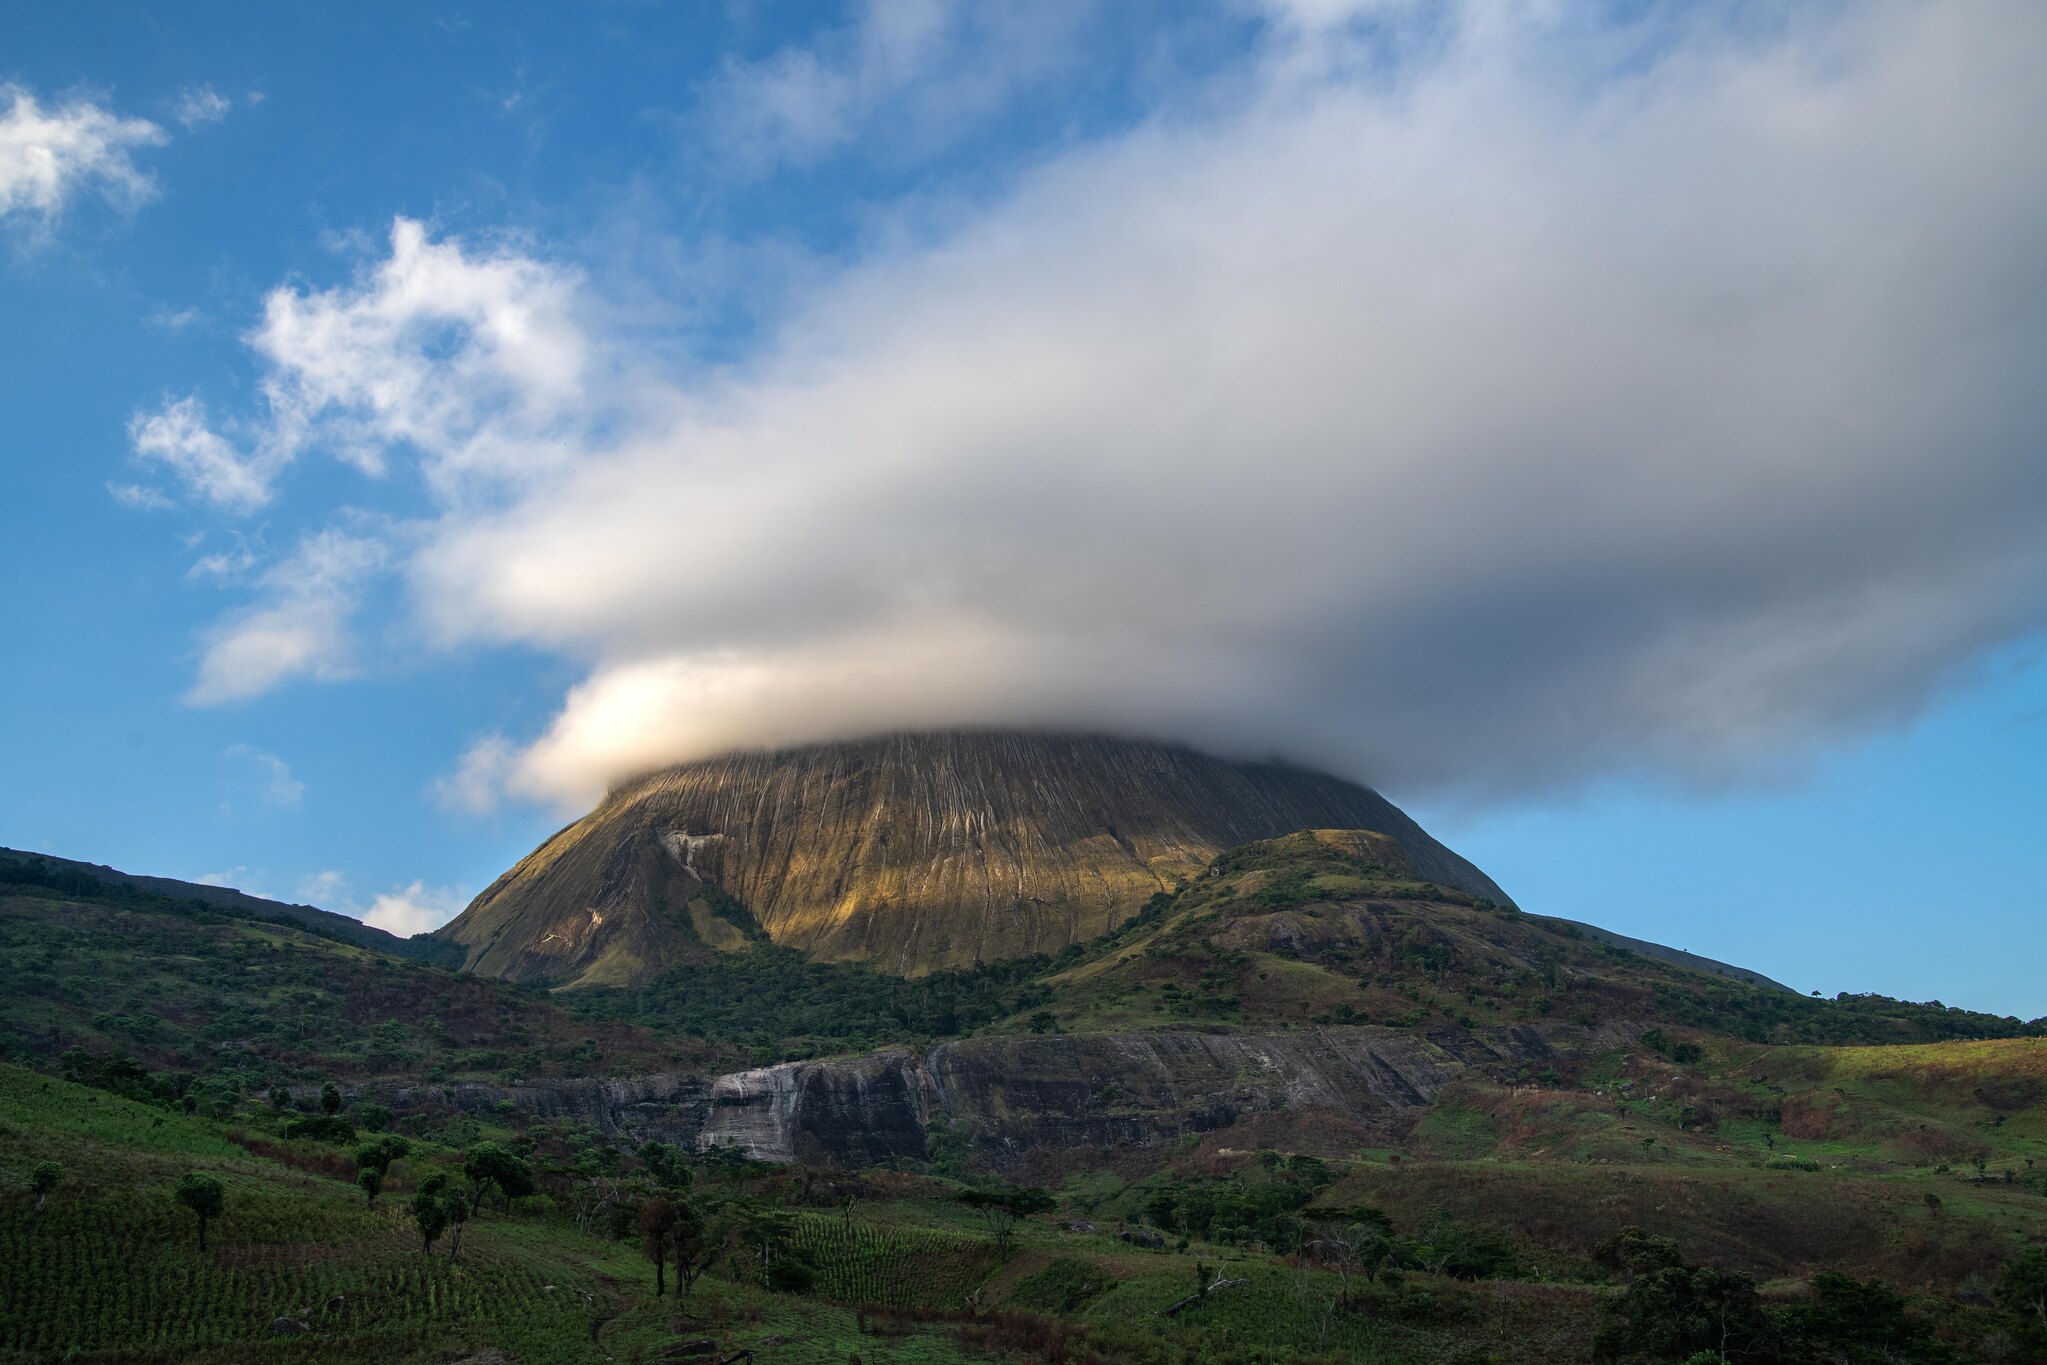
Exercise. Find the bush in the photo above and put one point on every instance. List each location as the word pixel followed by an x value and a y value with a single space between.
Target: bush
pixel 1063 1287
pixel 322 1128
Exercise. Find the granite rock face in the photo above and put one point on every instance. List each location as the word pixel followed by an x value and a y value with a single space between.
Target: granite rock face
pixel 1011 1095
pixel 663 1107
pixel 913 852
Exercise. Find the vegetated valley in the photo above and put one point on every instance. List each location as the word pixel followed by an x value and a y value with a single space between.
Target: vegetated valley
pixel 1302 1106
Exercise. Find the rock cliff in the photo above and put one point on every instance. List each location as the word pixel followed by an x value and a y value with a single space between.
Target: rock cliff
pixel 913 852
pixel 1012 1096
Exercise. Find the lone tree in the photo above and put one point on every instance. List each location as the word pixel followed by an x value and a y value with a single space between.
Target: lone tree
pixel 205 1196
pixel 694 1247
pixel 430 1212
pixel 488 1164
pixel 1003 1207
pixel 374 1162
pixel 46 1176
pixel 1355 1242
pixel 330 1098
pixel 658 1220
pixel 458 1217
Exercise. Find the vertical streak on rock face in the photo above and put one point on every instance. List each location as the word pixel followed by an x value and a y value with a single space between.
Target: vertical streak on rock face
pixel 915 852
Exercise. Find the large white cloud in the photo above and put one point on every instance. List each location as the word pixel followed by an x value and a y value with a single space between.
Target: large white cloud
pixel 49 154
pixel 1557 403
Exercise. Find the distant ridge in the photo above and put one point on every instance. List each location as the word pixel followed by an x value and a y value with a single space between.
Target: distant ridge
pixel 913 851
pixel 420 948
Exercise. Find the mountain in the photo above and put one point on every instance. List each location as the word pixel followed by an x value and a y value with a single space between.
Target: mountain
pixel 914 852
pixel 67 874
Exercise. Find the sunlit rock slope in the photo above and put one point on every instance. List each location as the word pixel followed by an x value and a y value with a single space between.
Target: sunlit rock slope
pixel 914 852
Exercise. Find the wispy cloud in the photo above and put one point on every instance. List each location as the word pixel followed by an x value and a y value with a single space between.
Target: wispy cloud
pixel 199 105
pixel 927 69
pixel 177 437
pixel 49 155
pixel 299 627
pixel 276 787
pixel 477 785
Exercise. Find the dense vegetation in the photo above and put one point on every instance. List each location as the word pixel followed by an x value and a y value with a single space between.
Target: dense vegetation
pixel 782 1005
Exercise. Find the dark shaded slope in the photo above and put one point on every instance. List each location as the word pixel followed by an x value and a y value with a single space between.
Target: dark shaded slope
pixel 66 874
pixel 914 852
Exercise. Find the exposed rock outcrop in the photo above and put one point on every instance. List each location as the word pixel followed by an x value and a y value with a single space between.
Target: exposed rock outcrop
pixel 1013 1095
pixel 663 1107
pixel 914 852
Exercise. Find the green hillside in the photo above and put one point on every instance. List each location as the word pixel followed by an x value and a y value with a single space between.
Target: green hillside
pixel 1852 1180
pixel 197 991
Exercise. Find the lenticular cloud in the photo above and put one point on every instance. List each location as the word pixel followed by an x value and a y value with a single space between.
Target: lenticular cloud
pixel 1554 405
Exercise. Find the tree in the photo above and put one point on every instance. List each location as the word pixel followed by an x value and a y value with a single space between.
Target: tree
pixel 1356 1243
pixel 205 1196
pixel 489 1164
pixel 1003 1207
pixel 46 1176
pixel 382 1152
pixel 2022 1292
pixel 593 1189
pixel 430 1214
pixel 330 1098
pixel 457 1206
pixel 1856 1322
pixel 693 1246
pixel 666 1164
pixel 657 1228
pixel 1673 1309
pixel 373 1160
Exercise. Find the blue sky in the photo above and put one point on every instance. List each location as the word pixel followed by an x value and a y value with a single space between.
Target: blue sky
pixel 1617 436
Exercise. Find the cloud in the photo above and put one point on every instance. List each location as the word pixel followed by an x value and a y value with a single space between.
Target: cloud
pixel 328 886
pixel 47 156
pixel 1557 402
pixel 468 360
pixel 276 787
pixel 202 104
pixel 927 69
pixel 403 910
pixel 477 784
pixel 177 437
pixel 140 498
pixel 414 909
pixel 300 625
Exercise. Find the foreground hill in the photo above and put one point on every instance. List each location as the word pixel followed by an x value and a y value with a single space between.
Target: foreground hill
pixel 913 852
pixel 1386 1119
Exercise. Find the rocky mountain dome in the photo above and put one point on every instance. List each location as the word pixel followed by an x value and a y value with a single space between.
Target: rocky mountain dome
pixel 915 852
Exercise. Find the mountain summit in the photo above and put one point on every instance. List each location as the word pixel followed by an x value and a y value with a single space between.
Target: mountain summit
pixel 915 852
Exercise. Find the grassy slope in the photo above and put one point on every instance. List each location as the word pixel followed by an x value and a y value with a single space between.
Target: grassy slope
pixel 110 1271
